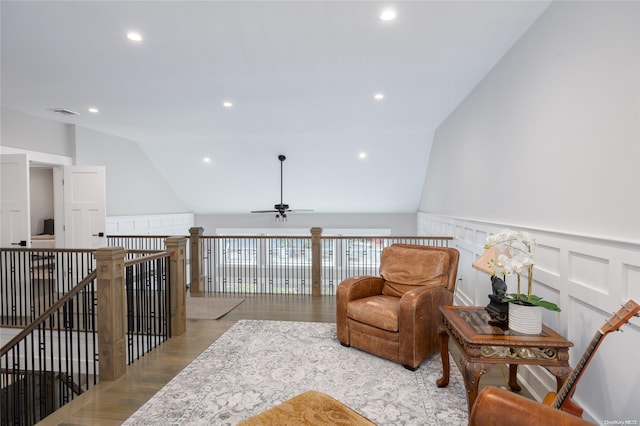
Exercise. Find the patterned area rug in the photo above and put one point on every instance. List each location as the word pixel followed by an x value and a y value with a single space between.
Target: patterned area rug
pixel 210 307
pixel 258 364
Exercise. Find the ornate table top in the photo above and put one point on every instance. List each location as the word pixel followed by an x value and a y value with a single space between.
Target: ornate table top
pixel 469 325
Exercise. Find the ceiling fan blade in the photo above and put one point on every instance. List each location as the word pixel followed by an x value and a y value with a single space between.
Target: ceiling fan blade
pixel 264 211
pixel 300 210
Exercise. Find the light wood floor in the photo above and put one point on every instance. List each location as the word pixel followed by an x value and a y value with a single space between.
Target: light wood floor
pixel 111 403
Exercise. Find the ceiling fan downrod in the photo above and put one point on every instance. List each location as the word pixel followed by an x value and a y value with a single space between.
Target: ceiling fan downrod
pixel 281 208
pixel 282 205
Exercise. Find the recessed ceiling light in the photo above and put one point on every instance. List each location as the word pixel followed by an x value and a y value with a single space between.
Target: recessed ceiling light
pixel 362 155
pixel 227 104
pixel 378 96
pixel 133 36
pixel 206 160
pixel 94 110
pixel 388 15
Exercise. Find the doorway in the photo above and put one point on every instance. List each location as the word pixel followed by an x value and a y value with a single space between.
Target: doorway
pixel 42 212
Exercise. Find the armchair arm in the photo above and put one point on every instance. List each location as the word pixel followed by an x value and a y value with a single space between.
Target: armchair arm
pixel 351 289
pixel 412 300
pixel 359 287
pixel 418 322
pixel 497 406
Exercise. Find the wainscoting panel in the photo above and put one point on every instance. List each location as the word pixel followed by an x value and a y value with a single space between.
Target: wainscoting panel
pixel 589 271
pixel 589 278
pixel 548 260
pixel 631 278
pixel 161 224
pixel 465 287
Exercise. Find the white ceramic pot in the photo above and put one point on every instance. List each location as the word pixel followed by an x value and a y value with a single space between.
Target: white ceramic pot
pixel 525 319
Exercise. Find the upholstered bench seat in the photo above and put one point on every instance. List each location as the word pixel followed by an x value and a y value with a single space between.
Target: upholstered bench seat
pixel 309 408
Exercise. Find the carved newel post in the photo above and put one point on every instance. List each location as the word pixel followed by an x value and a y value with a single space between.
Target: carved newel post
pixel 111 312
pixel 177 247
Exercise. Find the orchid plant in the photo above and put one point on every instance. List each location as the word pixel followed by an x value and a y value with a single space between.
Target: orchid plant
pixel 515 256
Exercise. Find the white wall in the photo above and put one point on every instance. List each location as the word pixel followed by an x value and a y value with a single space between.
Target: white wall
pixel 134 185
pixel 589 279
pixel 129 173
pixel 20 130
pixel 549 142
pixel 401 224
pixel 551 137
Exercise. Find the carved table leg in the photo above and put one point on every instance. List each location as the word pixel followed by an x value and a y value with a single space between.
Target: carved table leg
pixel 444 353
pixel 561 374
pixel 471 373
pixel 513 378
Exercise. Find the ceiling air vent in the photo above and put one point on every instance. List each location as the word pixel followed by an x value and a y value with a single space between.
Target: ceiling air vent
pixel 63 111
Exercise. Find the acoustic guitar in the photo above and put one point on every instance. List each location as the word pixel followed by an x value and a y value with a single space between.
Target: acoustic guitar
pixel 562 399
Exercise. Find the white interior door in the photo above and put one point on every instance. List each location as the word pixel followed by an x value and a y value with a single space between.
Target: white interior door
pixel 15 223
pixel 84 206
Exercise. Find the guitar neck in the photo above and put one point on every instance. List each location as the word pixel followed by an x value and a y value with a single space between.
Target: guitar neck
pixel 630 309
pixel 570 383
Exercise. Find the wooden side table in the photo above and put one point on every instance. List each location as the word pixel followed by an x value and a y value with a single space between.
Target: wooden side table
pixel 482 345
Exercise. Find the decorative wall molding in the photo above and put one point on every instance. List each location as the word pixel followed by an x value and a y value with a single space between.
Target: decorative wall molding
pixel 39 157
pixel 157 224
pixel 590 278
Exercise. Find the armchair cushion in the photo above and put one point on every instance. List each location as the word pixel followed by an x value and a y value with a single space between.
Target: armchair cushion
pixel 404 268
pixel 379 311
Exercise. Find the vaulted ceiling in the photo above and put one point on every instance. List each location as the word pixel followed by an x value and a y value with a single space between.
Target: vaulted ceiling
pixel 301 77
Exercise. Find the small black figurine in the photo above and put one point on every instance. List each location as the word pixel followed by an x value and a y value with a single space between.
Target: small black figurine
pixel 499 287
pixel 497 309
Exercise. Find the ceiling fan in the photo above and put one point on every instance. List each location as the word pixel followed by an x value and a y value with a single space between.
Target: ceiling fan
pixel 281 209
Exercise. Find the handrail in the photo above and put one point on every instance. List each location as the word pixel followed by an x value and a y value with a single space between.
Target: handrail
pixel 48 312
pixel 279 263
pixel 142 236
pixel 334 237
pixel 154 255
pixel 386 237
pixel 61 330
pixel 287 263
pixel 54 250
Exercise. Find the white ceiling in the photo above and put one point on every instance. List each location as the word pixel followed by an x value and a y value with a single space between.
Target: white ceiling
pixel 301 76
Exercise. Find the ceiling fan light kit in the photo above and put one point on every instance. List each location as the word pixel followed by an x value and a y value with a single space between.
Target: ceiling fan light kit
pixel 280 209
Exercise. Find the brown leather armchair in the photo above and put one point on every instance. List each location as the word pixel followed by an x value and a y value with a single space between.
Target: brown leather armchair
pixel 496 406
pixel 395 316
